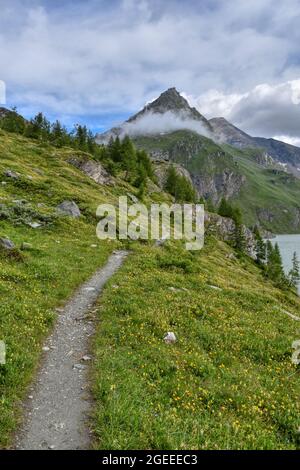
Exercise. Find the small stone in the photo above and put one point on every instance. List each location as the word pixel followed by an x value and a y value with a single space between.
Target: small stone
pixel 34 224
pixel 79 366
pixel 6 244
pixel 170 338
pixel 26 246
pixel 51 447
pixel 86 358
pixel 30 397
pixel 94 246
pixel 4 183
pixel 11 174
pixel 45 348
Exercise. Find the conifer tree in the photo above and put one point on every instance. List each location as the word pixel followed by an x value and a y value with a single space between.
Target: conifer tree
pixel 38 128
pixel 59 135
pixel 128 157
pixel 274 268
pixel 114 149
pixel 294 274
pixel 260 247
pixel 225 209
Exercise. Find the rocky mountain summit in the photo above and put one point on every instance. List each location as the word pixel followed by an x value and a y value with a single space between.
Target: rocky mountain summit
pixel 285 154
pixel 171 101
pixel 226 132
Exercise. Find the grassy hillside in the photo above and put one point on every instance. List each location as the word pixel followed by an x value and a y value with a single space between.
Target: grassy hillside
pixel 228 381
pixel 266 195
pixel 36 281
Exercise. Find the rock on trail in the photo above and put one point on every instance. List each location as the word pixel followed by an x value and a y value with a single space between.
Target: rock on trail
pixel 56 413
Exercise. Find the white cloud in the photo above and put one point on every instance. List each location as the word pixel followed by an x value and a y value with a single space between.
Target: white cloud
pixel 289 140
pixel 155 123
pixel 266 110
pixel 96 57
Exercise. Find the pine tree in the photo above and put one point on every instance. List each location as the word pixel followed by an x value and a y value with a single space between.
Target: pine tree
pixel 239 238
pixel 38 128
pixel 114 149
pixel 59 135
pixel 171 180
pixel 128 158
pixel 144 160
pixel 91 144
pixel 179 186
pixel 81 137
pixel 260 247
pixel 225 209
pixel 294 274
pixel 274 268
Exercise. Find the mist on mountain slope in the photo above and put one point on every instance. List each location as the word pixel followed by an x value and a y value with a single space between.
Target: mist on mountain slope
pixel 162 123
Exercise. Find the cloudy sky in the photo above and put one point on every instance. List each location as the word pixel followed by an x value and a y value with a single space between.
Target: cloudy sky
pixel 98 61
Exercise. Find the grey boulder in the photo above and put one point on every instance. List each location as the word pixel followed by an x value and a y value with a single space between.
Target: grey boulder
pixel 6 244
pixel 11 174
pixel 69 208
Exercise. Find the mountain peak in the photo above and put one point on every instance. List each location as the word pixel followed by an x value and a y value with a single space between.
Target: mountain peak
pixel 172 101
pixel 169 100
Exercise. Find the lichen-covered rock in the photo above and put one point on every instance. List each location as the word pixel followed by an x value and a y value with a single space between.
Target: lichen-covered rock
pixel 170 338
pixel 6 244
pixel 69 208
pixel 92 169
pixel 11 174
pixel 226 183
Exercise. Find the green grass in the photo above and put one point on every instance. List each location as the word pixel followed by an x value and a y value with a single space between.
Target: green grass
pixel 227 383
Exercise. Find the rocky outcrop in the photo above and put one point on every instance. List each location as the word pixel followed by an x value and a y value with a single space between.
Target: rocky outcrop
pixel 215 186
pixel 223 228
pixel 92 169
pixel 161 169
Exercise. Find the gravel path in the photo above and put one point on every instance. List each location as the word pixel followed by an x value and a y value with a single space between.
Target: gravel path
pixel 56 412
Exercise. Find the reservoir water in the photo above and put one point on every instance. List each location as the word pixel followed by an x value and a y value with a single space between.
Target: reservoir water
pixel 287 245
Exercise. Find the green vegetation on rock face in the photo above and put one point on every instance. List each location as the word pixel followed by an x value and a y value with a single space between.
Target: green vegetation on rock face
pixel 265 194
pixel 227 383
pixel 268 196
